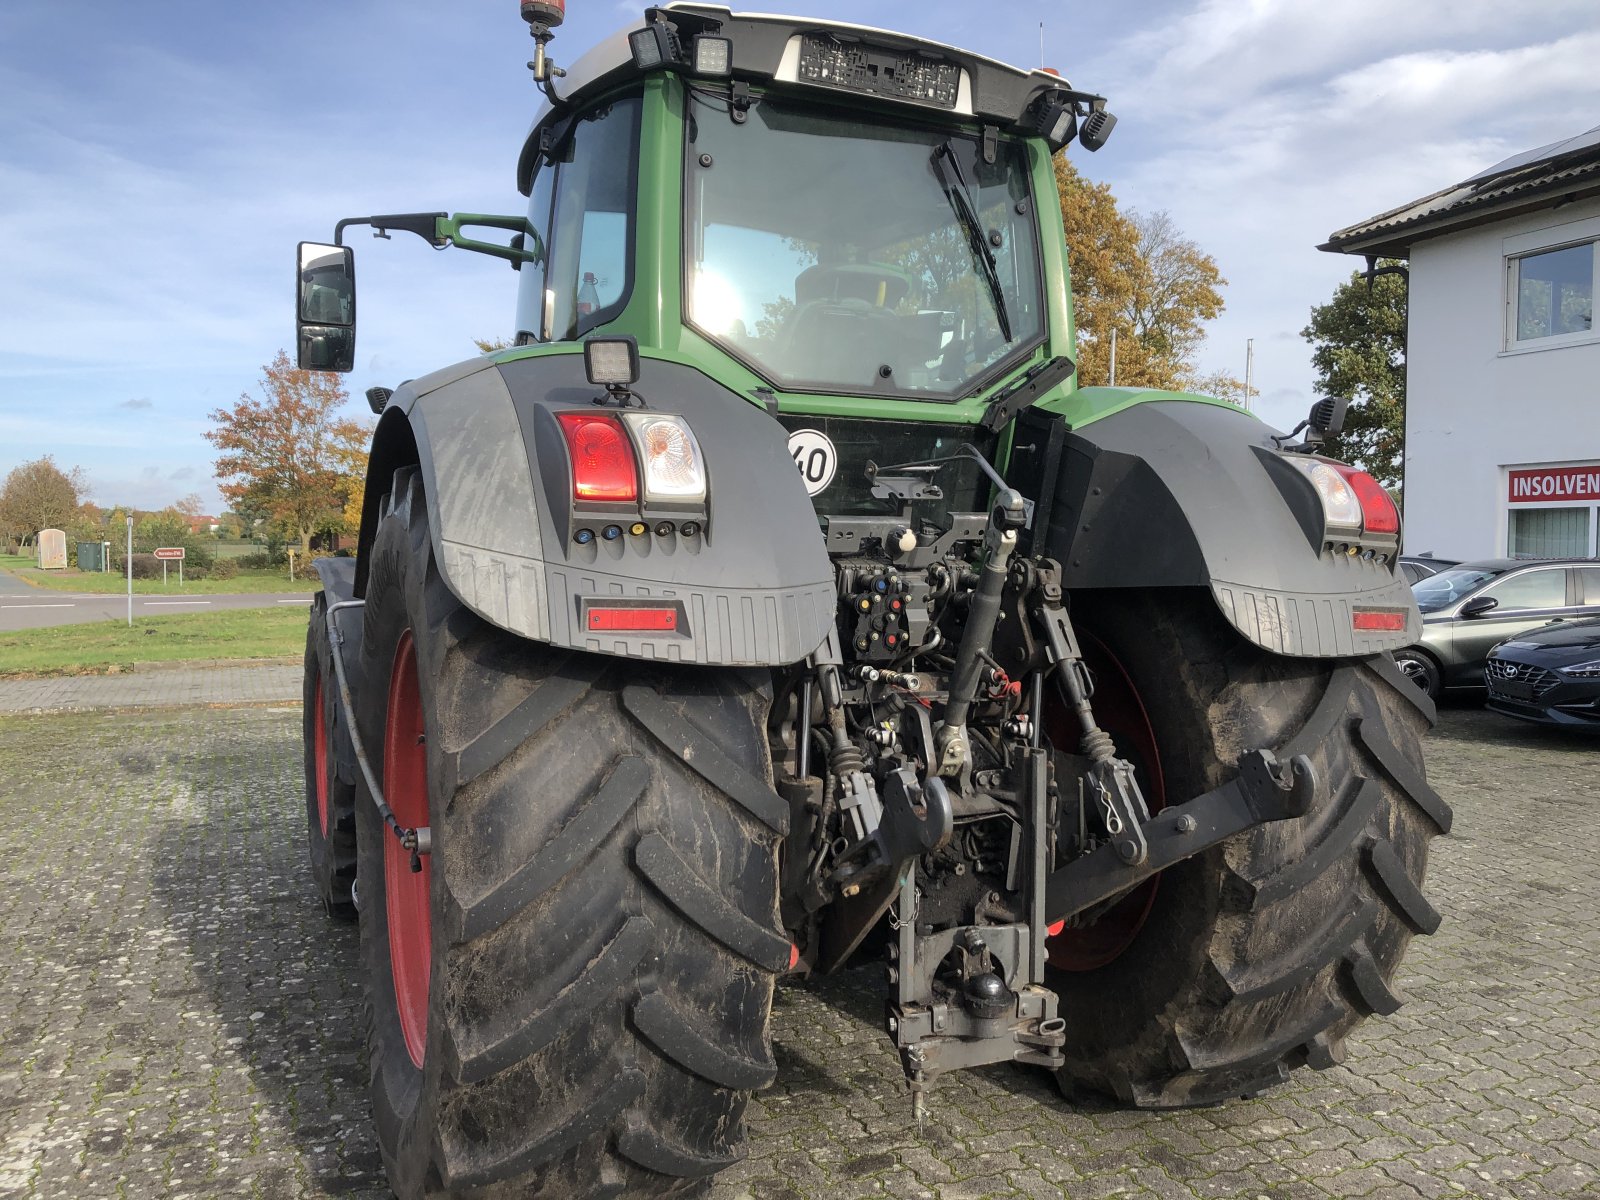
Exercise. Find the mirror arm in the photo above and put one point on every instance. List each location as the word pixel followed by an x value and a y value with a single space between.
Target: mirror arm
pixel 450 228
pixel 427 226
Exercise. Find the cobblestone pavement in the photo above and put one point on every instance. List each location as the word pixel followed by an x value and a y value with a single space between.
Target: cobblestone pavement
pixel 178 1018
pixel 160 687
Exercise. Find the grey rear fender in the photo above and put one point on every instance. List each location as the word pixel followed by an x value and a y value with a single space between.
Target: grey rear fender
pixel 1173 493
pixel 752 588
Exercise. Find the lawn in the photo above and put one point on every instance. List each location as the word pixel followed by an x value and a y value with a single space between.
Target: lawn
pixel 96 649
pixel 272 580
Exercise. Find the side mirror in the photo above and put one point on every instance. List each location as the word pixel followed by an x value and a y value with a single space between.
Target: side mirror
pixel 1479 605
pixel 325 307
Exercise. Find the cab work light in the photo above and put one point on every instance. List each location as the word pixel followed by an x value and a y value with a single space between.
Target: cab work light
pixel 603 466
pixel 712 55
pixel 612 361
pixel 674 470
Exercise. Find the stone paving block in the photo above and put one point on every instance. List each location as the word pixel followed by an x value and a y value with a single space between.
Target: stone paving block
pixel 178 1017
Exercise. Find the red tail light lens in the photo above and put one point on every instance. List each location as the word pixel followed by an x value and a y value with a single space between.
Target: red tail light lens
pixel 603 467
pixel 1378 513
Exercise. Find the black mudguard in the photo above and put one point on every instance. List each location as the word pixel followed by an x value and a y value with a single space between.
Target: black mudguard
pixel 1172 493
pixel 755 586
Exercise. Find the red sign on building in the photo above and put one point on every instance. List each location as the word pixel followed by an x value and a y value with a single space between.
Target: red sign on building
pixel 1541 485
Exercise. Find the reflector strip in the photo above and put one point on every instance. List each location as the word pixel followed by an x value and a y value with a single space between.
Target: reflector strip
pixel 1379 620
pixel 647 620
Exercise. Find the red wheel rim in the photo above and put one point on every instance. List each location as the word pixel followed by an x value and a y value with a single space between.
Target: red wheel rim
pixel 1120 712
pixel 319 757
pixel 405 785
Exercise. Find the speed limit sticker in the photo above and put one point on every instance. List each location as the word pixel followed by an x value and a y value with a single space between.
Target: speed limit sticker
pixel 814 454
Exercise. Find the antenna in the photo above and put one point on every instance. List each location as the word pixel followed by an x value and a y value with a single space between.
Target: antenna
pixel 1041 45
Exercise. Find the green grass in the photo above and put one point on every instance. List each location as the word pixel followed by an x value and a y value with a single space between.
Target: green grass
pixel 105 646
pixel 17 560
pixel 71 580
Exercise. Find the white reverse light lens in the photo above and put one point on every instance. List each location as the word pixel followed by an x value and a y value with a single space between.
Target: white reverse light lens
pixel 673 469
pixel 1340 507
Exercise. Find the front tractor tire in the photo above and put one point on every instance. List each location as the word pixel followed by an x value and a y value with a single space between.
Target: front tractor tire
pixel 571 997
pixel 1261 954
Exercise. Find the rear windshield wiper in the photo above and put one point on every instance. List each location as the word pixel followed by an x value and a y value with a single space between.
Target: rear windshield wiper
pixel 959 194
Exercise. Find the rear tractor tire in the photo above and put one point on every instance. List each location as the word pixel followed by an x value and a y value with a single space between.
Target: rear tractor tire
pixel 330 797
pixel 1261 954
pixel 571 997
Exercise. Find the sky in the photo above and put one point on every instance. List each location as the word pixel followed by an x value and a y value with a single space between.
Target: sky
pixel 160 160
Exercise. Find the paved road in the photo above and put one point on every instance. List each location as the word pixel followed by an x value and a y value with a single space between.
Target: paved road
pixel 24 607
pixel 178 1018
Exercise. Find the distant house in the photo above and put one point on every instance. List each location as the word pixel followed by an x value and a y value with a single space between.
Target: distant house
pixel 1503 356
pixel 203 524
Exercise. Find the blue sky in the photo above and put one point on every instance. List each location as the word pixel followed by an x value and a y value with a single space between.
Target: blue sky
pixel 159 161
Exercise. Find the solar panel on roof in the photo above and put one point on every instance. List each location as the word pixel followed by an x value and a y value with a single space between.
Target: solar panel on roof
pixel 1571 145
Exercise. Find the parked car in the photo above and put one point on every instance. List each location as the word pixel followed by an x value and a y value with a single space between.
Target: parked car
pixel 1471 607
pixel 1551 675
pixel 1417 567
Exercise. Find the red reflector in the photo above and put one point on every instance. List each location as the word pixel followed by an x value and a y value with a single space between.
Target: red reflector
pixel 1379 620
pixel 602 458
pixel 1378 513
pixel 650 620
pixel 1055 929
pixel 794 956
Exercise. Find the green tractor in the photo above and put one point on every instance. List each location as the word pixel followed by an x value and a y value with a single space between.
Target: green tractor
pixel 780 603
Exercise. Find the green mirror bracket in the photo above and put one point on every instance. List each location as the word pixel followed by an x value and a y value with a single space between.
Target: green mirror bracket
pixel 531 250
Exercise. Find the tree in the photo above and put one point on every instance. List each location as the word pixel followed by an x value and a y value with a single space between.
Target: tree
pixel 1135 273
pixel 1359 351
pixel 285 455
pixel 39 495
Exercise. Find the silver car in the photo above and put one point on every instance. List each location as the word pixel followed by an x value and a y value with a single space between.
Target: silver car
pixel 1469 608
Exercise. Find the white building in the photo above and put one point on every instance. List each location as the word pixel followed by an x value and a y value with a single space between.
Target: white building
pixel 1503 355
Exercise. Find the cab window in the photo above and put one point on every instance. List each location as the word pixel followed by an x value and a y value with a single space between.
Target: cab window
pixel 582 206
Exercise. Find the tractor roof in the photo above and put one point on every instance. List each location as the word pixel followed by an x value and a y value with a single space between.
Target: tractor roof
pixel 823 57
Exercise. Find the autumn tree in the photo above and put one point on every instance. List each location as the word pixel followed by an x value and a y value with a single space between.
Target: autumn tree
pixel 1358 342
pixel 39 495
pixel 1135 273
pixel 287 454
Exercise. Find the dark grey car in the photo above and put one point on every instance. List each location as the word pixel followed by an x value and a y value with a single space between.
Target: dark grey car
pixel 1469 608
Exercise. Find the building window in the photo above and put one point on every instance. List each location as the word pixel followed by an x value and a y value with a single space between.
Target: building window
pixel 1549 533
pixel 1552 295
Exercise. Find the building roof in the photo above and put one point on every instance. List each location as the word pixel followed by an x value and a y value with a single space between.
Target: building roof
pixel 1547 177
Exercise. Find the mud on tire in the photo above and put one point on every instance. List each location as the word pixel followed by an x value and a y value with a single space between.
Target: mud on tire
pixel 1263 953
pixel 604 908
pixel 330 795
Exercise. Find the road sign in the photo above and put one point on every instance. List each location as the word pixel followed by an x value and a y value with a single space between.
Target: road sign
pixel 170 552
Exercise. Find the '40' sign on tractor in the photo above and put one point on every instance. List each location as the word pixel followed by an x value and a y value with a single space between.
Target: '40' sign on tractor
pixel 814 454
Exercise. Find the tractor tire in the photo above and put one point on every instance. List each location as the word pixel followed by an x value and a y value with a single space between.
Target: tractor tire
pixel 1261 954
pixel 572 996
pixel 330 799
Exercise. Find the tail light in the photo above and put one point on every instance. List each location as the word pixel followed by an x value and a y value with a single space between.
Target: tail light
pixel 1378 513
pixel 674 471
pixel 1354 504
pixel 1341 506
pixel 603 464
